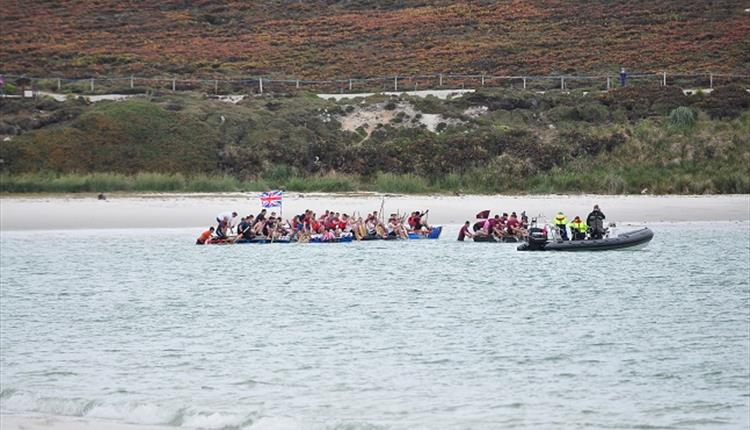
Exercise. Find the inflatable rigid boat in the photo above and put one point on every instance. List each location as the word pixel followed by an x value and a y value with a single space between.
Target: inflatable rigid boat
pixel 538 241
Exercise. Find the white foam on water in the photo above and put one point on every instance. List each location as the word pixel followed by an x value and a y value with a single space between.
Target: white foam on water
pixel 214 420
pixel 22 401
pixel 134 412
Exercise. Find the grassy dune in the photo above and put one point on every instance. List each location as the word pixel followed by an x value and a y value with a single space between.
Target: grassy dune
pixel 629 140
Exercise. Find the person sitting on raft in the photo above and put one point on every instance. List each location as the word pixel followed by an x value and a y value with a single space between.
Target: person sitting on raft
pixel 416 223
pixel 513 227
pixel 245 227
pixel 205 236
pixel 395 228
pixel 226 223
pixel 578 228
pixel 464 232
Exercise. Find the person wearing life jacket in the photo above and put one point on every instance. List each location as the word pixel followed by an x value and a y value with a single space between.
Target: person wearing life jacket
pixel 561 222
pixel 578 229
pixel 205 236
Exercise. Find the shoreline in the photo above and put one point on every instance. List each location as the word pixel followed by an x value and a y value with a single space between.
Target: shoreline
pixel 198 210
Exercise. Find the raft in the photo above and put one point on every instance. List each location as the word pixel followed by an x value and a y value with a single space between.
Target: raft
pixel 335 240
pixel 632 239
pixel 258 240
pixel 511 239
pixel 433 233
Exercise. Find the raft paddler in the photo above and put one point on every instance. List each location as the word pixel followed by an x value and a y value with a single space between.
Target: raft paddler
pixel 394 227
pixel 416 223
pixel 245 227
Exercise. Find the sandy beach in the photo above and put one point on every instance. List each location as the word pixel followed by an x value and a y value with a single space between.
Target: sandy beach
pixel 55 212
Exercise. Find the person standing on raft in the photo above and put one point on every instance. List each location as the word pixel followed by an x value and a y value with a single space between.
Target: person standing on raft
pixel 226 223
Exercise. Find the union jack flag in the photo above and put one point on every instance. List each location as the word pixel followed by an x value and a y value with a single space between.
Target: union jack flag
pixel 271 199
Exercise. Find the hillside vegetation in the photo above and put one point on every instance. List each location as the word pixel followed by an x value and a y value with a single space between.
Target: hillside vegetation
pixel 337 38
pixel 628 140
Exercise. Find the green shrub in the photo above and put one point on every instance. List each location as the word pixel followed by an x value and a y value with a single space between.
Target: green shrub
pixel 407 183
pixel 158 182
pixel 683 119
pixel 206 183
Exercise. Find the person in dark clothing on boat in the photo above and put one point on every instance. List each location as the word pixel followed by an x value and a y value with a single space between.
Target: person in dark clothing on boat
pixel 261 216
pixel 245 228
pixel 465 232
pixel 595 221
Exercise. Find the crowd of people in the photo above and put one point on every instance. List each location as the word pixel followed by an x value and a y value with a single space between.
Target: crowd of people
pixel 334 226
pixel 329 226
pixel 499 227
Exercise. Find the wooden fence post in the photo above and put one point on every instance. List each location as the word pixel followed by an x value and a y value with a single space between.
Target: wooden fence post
pixel 395 83
pixel 131 81
pixel 609 83
pixel 92 85
pixel 562 83
pixel 260 85
pixel 664 79
pixel 441 79
pixel 297 84
pixel 524 82
pixel 711 80
pixel 174 85
pixel 350 85
pixel 58 84
pixel 482 80
pixel 216 86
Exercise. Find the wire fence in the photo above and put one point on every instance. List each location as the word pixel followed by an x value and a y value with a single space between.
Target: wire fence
pixel 442 81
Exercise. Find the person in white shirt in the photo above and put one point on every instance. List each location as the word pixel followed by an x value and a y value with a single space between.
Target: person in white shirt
pixel 226 222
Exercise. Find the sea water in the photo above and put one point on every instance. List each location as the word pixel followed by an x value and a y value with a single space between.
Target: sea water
pixel 142 326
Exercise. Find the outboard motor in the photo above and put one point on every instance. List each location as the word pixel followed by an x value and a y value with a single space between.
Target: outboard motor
pixel 537 238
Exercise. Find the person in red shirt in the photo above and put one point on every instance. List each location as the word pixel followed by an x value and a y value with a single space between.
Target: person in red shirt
pixel 205 236
pixel 465 232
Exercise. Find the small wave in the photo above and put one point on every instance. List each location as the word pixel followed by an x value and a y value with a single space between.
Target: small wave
pixel 21 401
pixel 13 400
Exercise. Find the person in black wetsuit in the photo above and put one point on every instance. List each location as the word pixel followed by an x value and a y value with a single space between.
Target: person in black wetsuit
pixel 595 220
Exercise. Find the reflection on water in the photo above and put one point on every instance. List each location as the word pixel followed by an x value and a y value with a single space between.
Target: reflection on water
pixel 142 326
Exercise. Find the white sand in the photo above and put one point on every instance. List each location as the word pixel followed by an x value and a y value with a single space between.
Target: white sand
pixel 441 94
pixel 16 422
pixel 199 210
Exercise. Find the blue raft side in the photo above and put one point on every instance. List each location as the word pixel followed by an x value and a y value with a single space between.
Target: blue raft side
pixel 434 233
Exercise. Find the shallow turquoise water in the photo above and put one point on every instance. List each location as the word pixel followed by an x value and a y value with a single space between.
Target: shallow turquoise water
pixel 142 326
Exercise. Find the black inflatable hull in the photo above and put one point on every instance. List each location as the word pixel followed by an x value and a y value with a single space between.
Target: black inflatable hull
pixel 635 238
